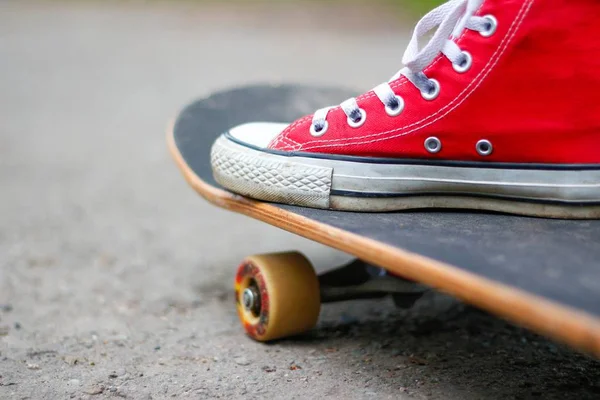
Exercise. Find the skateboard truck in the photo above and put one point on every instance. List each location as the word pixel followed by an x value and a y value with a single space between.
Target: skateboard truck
pixel 360 280
pixel 280 295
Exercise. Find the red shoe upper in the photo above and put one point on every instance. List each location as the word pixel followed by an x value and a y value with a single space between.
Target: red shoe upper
pixel 533 92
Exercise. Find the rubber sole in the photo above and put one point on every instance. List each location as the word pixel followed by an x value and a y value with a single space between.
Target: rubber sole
pixel 363 186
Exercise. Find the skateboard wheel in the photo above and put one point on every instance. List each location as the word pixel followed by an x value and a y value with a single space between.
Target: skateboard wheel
pixel 277 295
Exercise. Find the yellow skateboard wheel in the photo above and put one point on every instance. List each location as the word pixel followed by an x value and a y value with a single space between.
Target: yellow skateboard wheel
pixel 277 295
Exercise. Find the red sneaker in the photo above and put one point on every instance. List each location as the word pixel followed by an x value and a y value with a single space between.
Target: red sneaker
pixel 499 111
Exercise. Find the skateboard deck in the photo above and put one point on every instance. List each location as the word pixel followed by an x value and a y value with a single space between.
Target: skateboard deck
pixel 539 273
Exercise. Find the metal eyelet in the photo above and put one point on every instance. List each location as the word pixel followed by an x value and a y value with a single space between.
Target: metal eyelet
pixel 433 144
pixel 360 122
pixel 392 112
pixel 434 92
pixel 321 132
pixel 492 26
pixel 484 147
pixel 466 63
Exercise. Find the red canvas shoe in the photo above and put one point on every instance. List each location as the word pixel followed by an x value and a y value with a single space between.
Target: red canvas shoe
pixel 499 111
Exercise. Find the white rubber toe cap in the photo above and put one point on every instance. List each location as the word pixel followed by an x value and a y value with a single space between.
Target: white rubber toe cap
pixel 258 134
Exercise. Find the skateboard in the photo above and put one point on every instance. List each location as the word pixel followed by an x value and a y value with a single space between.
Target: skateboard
pixel 539 273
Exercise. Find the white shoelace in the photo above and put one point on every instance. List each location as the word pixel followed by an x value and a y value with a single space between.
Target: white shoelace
pixel 450 19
